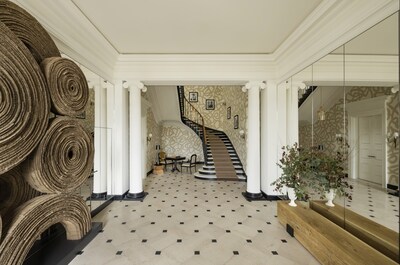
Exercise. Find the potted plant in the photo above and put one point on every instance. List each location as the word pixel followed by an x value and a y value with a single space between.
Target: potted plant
pixel 328 176
pixel 295 168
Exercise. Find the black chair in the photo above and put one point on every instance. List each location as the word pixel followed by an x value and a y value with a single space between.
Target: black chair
pixel 190 163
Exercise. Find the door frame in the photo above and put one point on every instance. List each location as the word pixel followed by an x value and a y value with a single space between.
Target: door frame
pixel 355 110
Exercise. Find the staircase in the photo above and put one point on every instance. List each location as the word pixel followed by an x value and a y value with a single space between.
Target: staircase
pixel 221 160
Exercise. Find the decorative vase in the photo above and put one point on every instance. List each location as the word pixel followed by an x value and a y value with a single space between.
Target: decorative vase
pixel 292 196
pixel 330 196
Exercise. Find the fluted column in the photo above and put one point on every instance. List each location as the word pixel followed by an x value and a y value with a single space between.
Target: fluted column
pixel 135 146
pixel 253 138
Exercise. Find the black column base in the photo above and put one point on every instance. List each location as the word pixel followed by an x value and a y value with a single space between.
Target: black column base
pixel 253 196
pixel 98 196
pixel 272 197
pixel 135 196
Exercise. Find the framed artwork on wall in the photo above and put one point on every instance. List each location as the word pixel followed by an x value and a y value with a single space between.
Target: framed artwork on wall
pixel 193 97
pixel 228 113
pixel 210 104
pixel 236 122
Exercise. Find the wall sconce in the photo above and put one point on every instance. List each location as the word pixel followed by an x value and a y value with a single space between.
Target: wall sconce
pixel 393 138
pixel 339 138
pixel 242 134
pixel 149 137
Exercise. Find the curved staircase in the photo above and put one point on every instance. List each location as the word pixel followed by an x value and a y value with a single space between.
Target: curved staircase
pixel 221 160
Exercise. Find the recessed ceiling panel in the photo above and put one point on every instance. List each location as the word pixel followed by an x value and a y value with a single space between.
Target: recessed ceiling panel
pixel 193 26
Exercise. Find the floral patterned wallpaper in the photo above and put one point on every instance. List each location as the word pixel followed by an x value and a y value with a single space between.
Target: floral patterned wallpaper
pixel 224 96
pixel 325 131
pixel 179 140
pixel 155 130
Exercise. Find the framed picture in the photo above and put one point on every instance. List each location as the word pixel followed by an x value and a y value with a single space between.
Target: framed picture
pixel 210 104
pixel 193 97
pixel 236 122
pixel 228 113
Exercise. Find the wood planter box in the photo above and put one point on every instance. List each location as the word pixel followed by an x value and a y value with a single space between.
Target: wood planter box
pixel 327 242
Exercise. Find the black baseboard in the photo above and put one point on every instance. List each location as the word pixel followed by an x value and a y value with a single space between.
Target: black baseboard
pixel 148 173
pixel 271 197
pixel 102 206
pixel 392 187
pixel 120 197
pixel 56 249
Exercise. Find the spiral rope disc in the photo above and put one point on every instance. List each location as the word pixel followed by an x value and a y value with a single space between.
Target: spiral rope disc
pixel 28 30
pixel 64 158
pixel 24 102
pixel 69 91
pixel 36 216
pixel 14 191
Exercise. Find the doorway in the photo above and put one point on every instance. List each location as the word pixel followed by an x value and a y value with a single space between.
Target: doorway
pixel 371 147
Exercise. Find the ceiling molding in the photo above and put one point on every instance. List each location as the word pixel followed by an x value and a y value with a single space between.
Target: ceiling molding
pixel 195 69
pixel 74 35
pixel 334 24
pixel 330 25
pixel 369 70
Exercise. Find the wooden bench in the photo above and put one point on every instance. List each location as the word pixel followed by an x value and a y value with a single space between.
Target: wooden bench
pixel 328 242
pixel 378 236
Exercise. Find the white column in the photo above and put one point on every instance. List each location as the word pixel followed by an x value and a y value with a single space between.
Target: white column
pixel 120 121
pixel 253 138
pixel 100 143
pixel 135 142
pixel 110 138
pixel 269 138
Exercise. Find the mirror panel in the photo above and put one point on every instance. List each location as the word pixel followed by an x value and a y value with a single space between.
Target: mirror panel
pixel 372 120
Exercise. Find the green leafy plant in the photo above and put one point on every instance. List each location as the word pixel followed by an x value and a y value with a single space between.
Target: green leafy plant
pixel 328 173
pixel 295 170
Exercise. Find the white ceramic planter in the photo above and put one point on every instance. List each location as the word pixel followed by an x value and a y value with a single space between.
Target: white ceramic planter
pixel 330 196
pixel 292 196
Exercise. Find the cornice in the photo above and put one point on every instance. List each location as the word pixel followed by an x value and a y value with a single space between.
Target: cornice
pixel 195 68
pixel 74 35
pixel 332 24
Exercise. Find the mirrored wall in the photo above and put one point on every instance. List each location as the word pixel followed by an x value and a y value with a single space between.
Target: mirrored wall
pixel 349 104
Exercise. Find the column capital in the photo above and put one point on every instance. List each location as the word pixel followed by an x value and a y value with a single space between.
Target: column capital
pixel 133 85
pixel 254 84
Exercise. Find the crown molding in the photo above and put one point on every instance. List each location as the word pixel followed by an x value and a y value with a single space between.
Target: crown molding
pixel 331 25
pixel 74 35
pixel 195 68
pixel 375 70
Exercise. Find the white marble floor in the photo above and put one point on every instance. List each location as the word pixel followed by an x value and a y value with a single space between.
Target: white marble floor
pixel 189 221
pixel 371 201
pixel 185 220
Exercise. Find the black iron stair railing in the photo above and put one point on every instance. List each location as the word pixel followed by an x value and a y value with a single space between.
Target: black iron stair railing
pixel 192 118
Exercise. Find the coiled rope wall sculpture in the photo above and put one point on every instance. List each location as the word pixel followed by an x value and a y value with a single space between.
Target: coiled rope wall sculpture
pixel 24 102
pixel 61 162
pixel 54 158
pixel 14 191
pixel 35 216
pixel 68 87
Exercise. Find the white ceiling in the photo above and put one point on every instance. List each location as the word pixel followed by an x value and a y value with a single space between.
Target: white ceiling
pixel 196 27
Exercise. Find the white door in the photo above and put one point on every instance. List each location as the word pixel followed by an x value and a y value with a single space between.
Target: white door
pixel 371 148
